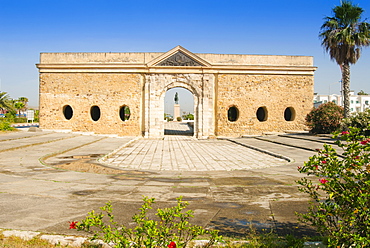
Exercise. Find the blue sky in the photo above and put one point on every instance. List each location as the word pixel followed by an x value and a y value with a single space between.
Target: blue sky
pixel 273 27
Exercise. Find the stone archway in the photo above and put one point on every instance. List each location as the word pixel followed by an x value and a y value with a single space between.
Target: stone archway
pixel 200 85
pixel 184 95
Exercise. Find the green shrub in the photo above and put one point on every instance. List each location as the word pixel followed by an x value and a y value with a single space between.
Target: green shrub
pixel 340 191
pixel 179 119
pixel 172 228
pixel 20 120
pixel 359 120
pixel 325 119
pixel 5 126
pixel 10 114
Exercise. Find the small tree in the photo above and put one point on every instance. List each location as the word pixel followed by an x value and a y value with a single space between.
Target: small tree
pixel 325 119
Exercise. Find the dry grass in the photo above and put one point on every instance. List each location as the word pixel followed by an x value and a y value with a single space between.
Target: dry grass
pixel 16 242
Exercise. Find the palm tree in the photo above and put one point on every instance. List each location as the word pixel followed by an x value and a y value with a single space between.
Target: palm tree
pixel 19 106
pixel 343 36
pixel 24 100
pixel 5 101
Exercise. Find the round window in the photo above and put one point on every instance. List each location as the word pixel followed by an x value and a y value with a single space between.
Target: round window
pixel 124 113
pixel 232 114
pixel 261 114
pixel 95 113
pixel 289 114
pixel 67 112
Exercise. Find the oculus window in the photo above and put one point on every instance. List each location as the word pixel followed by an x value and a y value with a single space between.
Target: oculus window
pixel 124 113
pixel 233 114
pixel 68 112
pixel 289 114
pixel 95 113
pixel 261 114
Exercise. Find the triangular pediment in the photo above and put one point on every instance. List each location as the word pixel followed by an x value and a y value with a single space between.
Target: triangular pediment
pixel 179 56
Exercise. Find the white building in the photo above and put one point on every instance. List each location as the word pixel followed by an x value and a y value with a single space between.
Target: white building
pixel 358 103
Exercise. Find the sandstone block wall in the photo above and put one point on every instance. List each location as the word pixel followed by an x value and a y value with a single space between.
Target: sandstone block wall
pixel 81 91
pixel 273 92
pixel 139 81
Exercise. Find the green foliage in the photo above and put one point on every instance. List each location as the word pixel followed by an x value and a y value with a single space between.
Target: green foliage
pixel 19 105
pixel 172 225
pixel 37 112
pixel 188 117
pixel 179 119
pixel 359 120
pixel 12 119
pixel 168 117
pixel 325 119
pixel 340 191
pixel 362 93
pixel 10 115
pixel 5 102
pixel 5 126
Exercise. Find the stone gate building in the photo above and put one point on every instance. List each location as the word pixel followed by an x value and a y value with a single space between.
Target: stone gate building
pixel 123 93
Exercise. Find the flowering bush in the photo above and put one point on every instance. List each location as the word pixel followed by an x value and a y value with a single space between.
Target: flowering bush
pixel 325 119
pixel 339 187
pixel 359 120
pixel 172 229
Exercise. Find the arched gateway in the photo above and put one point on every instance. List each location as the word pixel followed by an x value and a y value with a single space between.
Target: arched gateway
pixel 230 91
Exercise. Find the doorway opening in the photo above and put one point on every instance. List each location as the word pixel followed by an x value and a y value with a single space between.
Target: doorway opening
pixel 179 114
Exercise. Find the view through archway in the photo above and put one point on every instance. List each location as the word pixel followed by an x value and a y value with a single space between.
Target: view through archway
pixel 179 114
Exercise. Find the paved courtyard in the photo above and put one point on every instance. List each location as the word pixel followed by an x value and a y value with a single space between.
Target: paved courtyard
pixel 185 153
pixel 50 178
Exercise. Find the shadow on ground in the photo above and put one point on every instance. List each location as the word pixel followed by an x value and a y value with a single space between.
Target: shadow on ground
pixel 239 228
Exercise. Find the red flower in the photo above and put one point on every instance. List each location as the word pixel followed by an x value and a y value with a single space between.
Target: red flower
pixel 323 180
pixel 172 245
pixel 73 225
pixel 324 162
pixel 345 132
pixel 364 142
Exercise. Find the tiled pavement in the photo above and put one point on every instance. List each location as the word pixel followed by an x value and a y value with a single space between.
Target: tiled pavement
pixel 185 153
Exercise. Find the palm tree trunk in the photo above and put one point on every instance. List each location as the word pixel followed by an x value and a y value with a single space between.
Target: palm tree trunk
pixel 346 88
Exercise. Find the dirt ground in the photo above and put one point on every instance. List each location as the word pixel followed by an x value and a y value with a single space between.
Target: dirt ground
pixel 85 165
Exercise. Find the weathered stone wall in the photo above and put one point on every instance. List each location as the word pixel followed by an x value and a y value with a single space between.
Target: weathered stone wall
pixel 274 92
pixel 108 91
pixel 140 81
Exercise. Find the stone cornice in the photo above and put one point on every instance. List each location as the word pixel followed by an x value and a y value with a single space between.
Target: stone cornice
pixel 176 61
pixel 142 68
